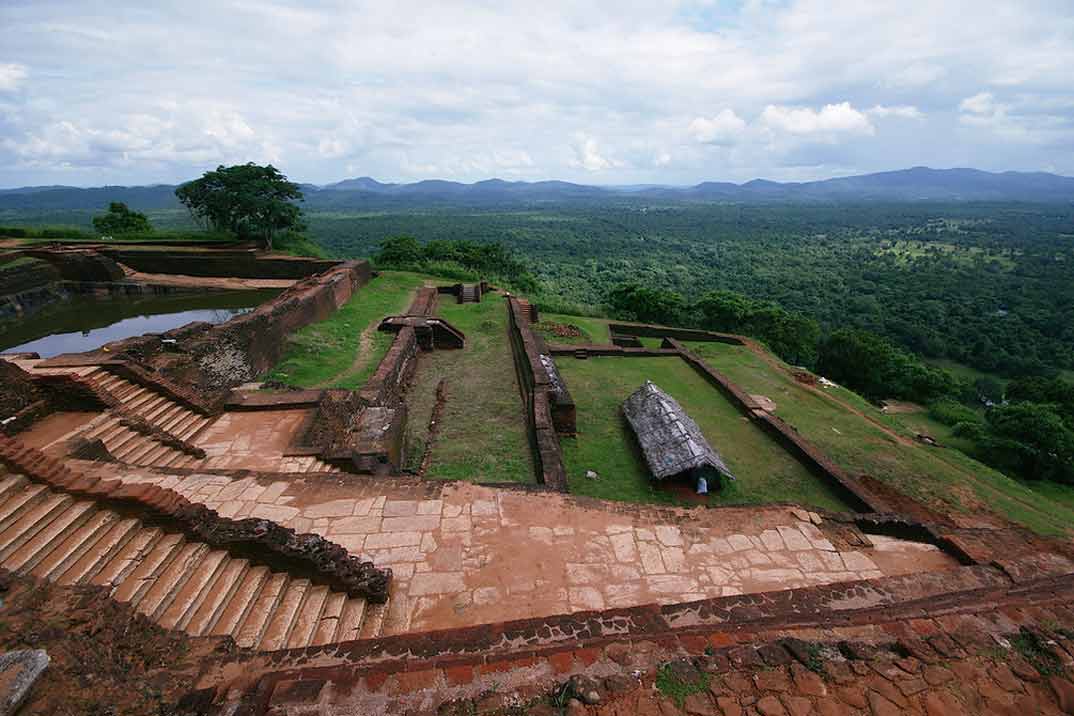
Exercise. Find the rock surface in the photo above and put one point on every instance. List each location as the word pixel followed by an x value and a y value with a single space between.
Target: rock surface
pixel 19 670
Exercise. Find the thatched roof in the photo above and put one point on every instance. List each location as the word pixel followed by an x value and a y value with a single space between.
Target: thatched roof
pixel 671 441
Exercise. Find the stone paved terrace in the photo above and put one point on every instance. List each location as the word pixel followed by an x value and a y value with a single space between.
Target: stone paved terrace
pixel 464 554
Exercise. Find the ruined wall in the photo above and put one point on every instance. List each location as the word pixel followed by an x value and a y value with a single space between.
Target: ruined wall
pixel 805 452
pixel 77 264
pixel 538 397
pixel 222 356
pixel 394 371
pixel 682 334
pixel 218 262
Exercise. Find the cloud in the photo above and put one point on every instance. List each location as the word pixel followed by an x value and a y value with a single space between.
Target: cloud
pixel 724 128
pixel 11 76
pixel 981 103
pixel 636 92
pixel 901 112
pixel 829 120
pixel 587 155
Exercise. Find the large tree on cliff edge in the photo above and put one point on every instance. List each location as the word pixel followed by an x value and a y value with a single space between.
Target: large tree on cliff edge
pixel 250 201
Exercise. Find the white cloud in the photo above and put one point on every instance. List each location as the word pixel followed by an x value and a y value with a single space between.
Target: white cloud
pixel 588 156
pixel 474 89
pixel 11 76
pixel 724 128
pixel 830 119
pixel 900 111
pixel 978 104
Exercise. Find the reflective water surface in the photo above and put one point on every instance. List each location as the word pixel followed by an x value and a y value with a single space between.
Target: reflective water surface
pixel 82 323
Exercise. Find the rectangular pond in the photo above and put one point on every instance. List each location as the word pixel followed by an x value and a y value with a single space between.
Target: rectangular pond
pixel 83 323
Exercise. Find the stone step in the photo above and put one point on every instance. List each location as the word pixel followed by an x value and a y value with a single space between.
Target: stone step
pixel 241 602
pixel 205 613
pixel 102 428
pixel 122 391
pixel 181 416
pixel 123 441
pixel 10 483
pixel 308 618
pixel 196 427
pixel 127 558
pixel 147 397
pixel 176 583
pixel 284 619
pixel 74 545
pixel 329 624
pixel 33 521
pixel 172 579
pixel 137 449
pixel 94 559
pixel 352 622
pixel 20 502
pixel 185 426
pixel 156 409
pixel 250 632
pixel 103 378
pixel 134 585
pixel 202 577
pixel 150 405
pixel 34 550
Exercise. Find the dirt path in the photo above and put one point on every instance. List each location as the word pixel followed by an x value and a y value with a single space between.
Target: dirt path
pixel 365 347
pixel 361 356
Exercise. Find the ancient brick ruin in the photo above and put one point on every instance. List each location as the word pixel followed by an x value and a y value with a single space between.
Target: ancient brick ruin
pixel 281 527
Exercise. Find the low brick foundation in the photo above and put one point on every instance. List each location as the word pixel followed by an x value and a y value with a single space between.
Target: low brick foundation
pixel 539 396
pixel 804 451
pixel 242 263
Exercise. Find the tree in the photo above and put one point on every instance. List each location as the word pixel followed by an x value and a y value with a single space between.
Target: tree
pixel 399 252
pixel 635 302
pixel 1030 440
pixel 120 220
pixel 247 200
pixel 877 369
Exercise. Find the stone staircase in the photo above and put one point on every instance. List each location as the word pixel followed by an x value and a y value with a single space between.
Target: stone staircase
pixel 528 309
pixel 470 293
pixel 125 443
pixel 177 583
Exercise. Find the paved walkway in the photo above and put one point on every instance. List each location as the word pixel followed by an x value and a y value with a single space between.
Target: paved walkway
pixel 465 555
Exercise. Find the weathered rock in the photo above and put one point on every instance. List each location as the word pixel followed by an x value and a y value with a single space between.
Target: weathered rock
pixel 18 672
pixel 1064 693
pixel 585 688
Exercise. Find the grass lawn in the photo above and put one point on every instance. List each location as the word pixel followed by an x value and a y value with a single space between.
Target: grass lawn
pixel 766 472
pixel 343 350
pixel 482 432
pixel 943 478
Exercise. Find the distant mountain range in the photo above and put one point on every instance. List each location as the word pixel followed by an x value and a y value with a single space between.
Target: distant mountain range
pixel 906 185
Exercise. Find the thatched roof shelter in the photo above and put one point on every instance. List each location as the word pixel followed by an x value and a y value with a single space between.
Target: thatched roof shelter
pixel 671 441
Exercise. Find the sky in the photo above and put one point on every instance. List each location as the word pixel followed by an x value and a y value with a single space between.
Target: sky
pixel 621 92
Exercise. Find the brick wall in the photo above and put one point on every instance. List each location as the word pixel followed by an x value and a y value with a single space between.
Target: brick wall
pixel 850 489
pixel 394 372
pixel 218 262
pixel 539 399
